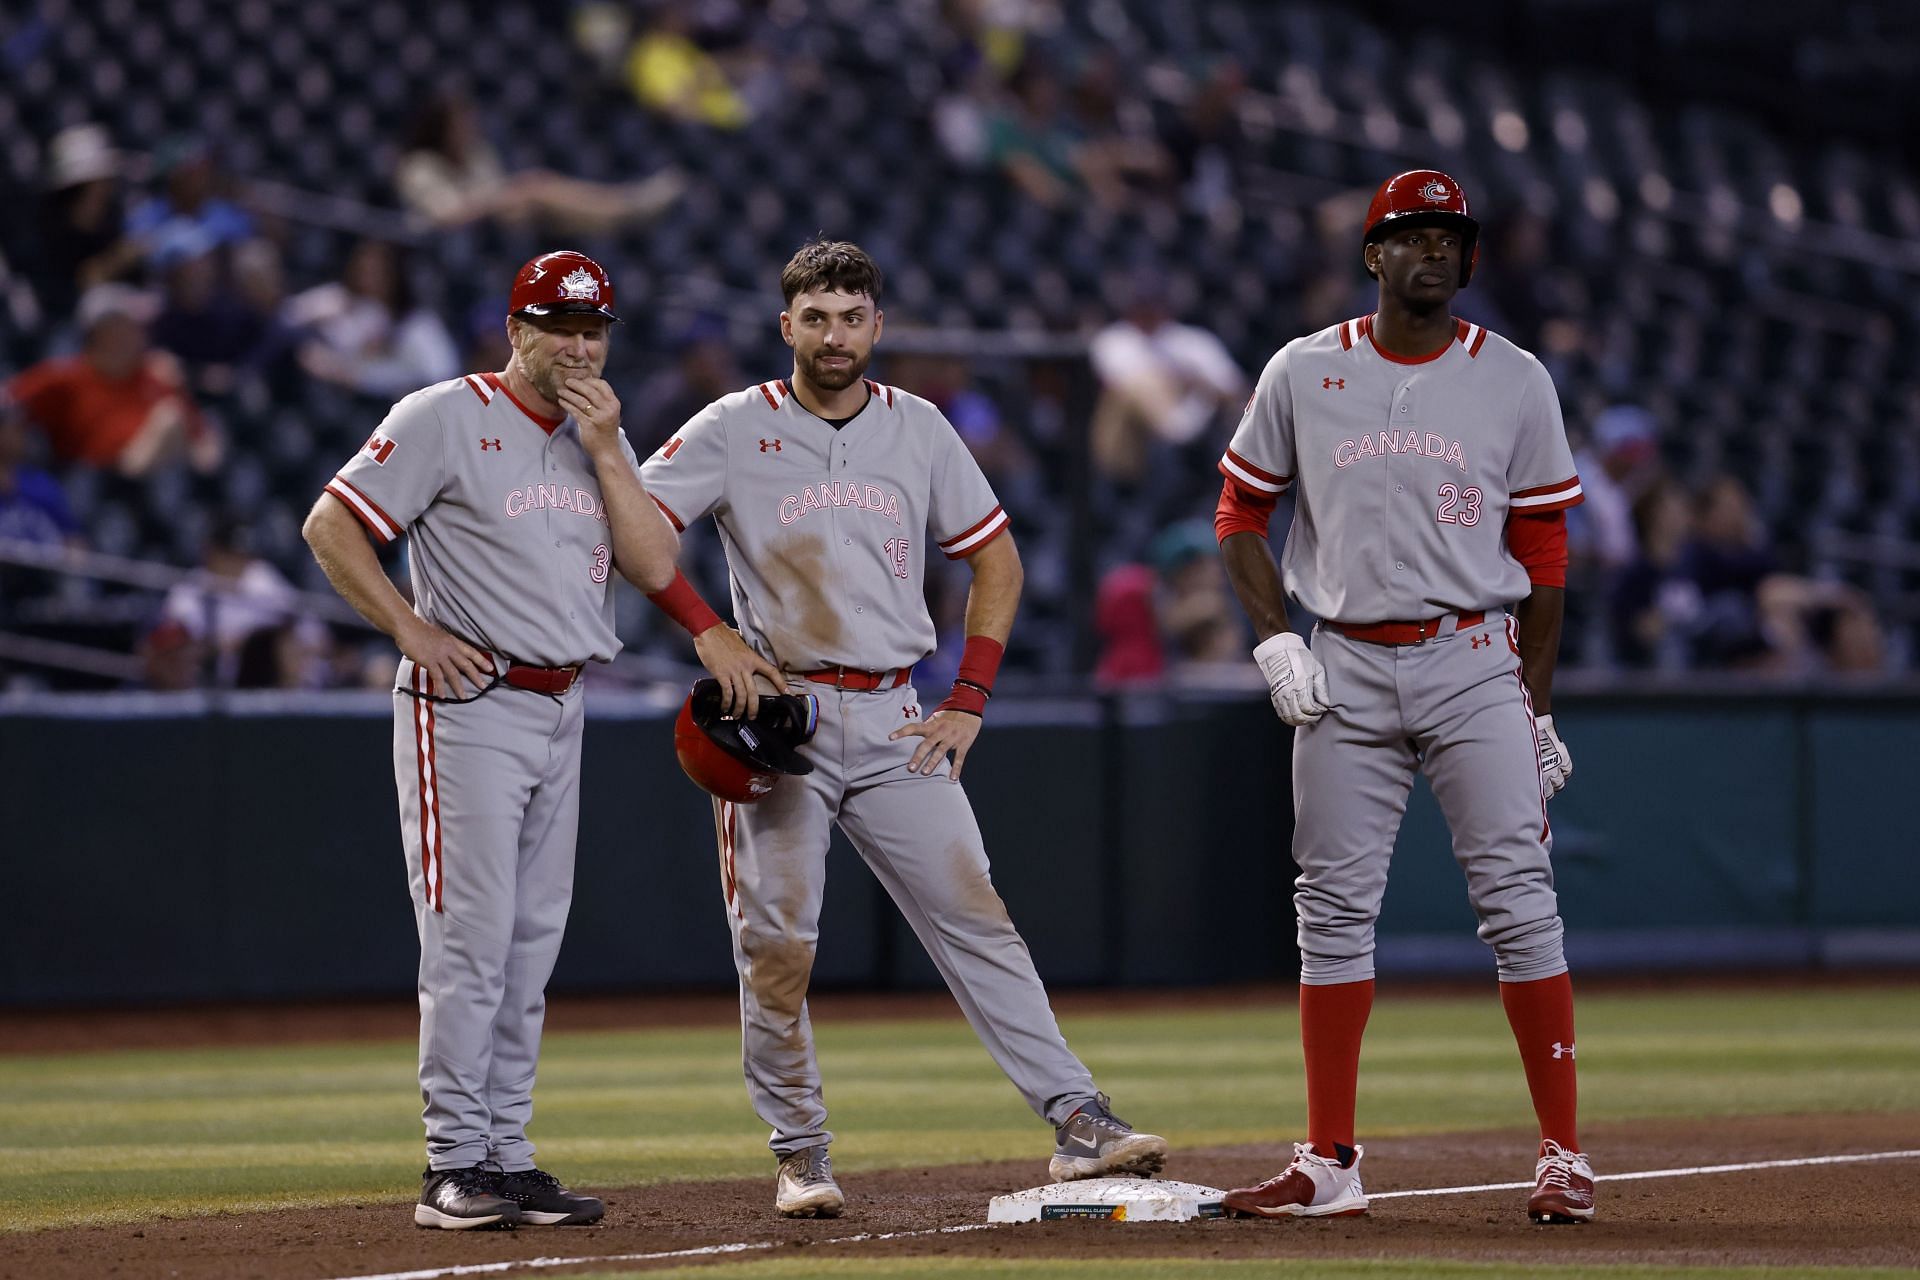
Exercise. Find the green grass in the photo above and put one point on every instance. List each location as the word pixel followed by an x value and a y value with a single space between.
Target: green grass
pixel 1200 1268
pixel 100 1138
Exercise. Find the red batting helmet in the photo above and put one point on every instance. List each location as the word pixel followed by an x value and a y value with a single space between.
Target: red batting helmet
pixel 1431 196
pixel 740 760
pixel 560 282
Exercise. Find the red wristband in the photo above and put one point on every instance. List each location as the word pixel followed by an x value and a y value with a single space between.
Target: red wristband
pixel 979 664
pixel 684 605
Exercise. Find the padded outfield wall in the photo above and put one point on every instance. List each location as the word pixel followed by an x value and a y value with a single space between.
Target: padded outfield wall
pixel 192 847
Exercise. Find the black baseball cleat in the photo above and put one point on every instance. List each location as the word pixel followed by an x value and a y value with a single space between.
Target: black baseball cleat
pixel 545 1203
pixel 463 1199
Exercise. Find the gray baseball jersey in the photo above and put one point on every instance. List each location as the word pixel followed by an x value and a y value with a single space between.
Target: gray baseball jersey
pixel 825 534
pixel 826 531
pixel 1404 471
pixel 507 538
pixel 510 550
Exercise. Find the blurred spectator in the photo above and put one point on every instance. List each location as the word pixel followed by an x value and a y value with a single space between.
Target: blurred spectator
pixel 671 75
pixel 365 333
pixel 82 222
pixel 172 658
pixel 1161 382
pixel 233 597
pixel 33 506
pixel 1728 561
pixel 1620 462
pixel 703 370
pixel 450 175
pixel 1197 613
pixel 1125 619
pixel 1034 138
pixel 947 381
pixel 1205 141
pixel 191 217
pixel 213 325
pixel 118 403
pixel 486 345
pixel 1656 603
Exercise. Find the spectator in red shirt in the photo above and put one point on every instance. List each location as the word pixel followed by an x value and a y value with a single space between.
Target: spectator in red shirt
pixel 118 403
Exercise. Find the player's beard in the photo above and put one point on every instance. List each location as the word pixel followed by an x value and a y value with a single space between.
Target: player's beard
pixel 828 378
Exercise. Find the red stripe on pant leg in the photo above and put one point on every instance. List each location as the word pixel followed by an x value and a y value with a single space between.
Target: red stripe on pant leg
pixel 420 780
pixel 1332 1021
pixel 1533 732
pixel 733 877
pixel 433 767
pixel 1541 1015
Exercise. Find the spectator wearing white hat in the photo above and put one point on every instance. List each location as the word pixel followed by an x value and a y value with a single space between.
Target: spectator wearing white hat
pixel 82 221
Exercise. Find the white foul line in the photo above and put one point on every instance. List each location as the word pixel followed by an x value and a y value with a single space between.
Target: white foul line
pixel 1692 1171
pixel 750 1246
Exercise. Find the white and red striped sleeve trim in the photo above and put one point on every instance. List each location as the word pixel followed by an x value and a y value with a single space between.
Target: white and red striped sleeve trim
pixel 965 543
pixel 480 387
pixel 1350 331
pixel 378 522
pixel 881 390
pixel 679 525
pixel 775 392
pixel 1547 497
pixel 1472 337
pixel 1235 467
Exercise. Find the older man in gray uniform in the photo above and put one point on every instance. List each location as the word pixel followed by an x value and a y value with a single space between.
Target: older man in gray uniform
pixel 519 497
pixel 1430 473
pixel 824 488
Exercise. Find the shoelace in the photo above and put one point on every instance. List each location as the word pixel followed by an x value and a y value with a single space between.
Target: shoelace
pixel 538 1177
pixel 1558 1173
pixel 814 1172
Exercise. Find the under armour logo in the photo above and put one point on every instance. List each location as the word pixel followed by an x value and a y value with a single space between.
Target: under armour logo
pixel 769 444
pixel 1562 1050
pixel 1333 384
pixel 486 444
pixel 1481 641
pixel 910 711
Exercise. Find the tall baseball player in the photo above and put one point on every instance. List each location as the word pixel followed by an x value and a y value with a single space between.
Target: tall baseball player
pixel 826 488
pixel 519 496
pixel 1430 475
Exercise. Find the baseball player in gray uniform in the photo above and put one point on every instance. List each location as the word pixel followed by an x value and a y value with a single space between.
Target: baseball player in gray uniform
pixel 1430 475
pixel 826 488
pixel 519 497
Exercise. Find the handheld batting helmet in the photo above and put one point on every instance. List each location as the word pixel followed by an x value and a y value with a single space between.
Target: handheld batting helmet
pixel 561 282
pixel 740 760
pixel 1431 196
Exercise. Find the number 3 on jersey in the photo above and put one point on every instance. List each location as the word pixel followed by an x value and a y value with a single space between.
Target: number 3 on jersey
pixel 602 557
pixel 1452 496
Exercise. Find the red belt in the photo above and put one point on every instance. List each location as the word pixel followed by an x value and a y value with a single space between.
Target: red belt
pixel 1405 632
pixel 857 680
pixel 554 680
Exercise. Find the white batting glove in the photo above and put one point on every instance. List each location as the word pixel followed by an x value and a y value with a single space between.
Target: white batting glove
pixel 1296 681
pixel 1556 763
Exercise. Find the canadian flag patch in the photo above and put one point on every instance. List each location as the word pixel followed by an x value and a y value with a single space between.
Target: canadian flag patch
pixel 380 447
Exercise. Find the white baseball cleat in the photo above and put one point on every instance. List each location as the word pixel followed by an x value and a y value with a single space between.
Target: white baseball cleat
pixel 1311 1187
pixel 804 1186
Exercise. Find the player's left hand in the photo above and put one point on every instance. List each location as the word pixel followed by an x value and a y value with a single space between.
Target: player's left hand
pixel 594 406
pixel 1556 764
pixel 940 733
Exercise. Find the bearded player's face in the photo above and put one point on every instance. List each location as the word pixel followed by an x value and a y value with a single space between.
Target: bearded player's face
pixel 554 349
pixel 832 336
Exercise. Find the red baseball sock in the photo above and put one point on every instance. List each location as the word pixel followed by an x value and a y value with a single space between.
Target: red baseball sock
pixel 1332 1020
pixel 1541 1015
